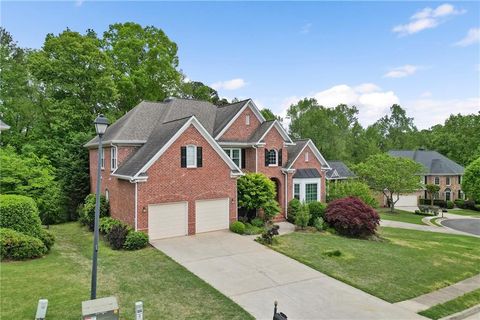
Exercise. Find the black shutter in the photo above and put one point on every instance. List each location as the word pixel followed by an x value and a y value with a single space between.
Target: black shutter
pixel 199 157
pixel 266 157
pixel 280 157
pixel 183 157
pixel 243 159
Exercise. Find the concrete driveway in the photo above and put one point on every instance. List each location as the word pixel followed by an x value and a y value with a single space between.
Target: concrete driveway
pixel 254 277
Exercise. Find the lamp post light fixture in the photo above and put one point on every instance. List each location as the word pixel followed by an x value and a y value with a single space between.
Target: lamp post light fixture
pixel 101 124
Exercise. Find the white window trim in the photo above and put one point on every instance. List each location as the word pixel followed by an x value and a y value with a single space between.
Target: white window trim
pixel 229 152
pixel 435 180
pixel 247 119
pixel 194 165
pixel 102 160
pixel 299 187
pixel 448 181
pixel 276 158
pixel 113 160
pixel 303 183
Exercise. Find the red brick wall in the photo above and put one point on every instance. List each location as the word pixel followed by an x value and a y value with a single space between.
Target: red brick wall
pixel 239 131
pixel 454 186
pixel 168 182
pixel 250 160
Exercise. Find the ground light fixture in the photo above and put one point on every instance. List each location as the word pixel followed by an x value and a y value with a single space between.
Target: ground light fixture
pixel 101 124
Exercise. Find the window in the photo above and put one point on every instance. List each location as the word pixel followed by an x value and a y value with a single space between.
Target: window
pixel 272 157
pixel 437 180
pixel 103 159
pixel 459 179
pixel 460 196
pixel 306 156
pixel 296 191
pixel 448 193
pixel 191 156
pixel 113 158
pixel 425 180
pixel 234 154
pixel 311 192
pixel 447 181
pixel 247 119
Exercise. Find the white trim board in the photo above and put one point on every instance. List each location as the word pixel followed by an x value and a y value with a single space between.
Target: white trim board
pixel 248 103
pixel 317 154
pixel 280 130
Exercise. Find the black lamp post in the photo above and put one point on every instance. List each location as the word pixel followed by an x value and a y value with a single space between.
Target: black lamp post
pixel 101 124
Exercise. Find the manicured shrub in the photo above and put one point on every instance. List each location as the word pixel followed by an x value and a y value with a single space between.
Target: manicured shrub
pixel 106 224
pixel 251 229
pixel 20 213
pixel 319 224
pixel 257 222
pixel 135 240
pixel 47 238
pixel 257 191
pixel 117 236
pixel 350 216
pixel 469 204
pixel 293 207
pixel 477 207
pixel 268 235
pixel 450 204
pixel 302 217
pixel 351 188
pixel 436 202
pixel 15 245
pixel 270 209
pixel 459 203
pixel 237 227
pixel 87 215
pixel 317 210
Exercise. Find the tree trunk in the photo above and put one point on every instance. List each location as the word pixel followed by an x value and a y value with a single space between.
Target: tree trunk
pixel 392 204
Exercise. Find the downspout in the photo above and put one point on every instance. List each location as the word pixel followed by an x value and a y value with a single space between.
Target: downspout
pixel 286 194
pixel 136 205
pixel 256 158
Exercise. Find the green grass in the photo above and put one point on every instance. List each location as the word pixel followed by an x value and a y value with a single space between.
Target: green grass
pixel 458 304
pixel 168 290
pixel 403 265
pixel 400 215
pixel 465 212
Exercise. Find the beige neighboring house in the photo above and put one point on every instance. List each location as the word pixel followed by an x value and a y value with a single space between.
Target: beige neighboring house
pixel 439 170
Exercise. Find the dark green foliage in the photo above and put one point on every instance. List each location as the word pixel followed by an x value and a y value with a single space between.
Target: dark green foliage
pixel 135 240
pixel 15 245
pixel 293 206
pixel 471 180
pixel 257 191
pixel 251 229
pixel 302 217
pixel 47 238
pixel 450 204
pixel 332 253
pixel 117 236
pixel 257 222
pixel 88 210
pixel 319 224
pixel 436 202
pixel 268 235
pixel 351 188
pixel 237 227
pixel 20 213
pixel 269 115
pixel 106 224
pixel 459 203
pixel 316 210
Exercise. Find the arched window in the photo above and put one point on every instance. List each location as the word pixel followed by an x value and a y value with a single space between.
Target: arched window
pixel 272 157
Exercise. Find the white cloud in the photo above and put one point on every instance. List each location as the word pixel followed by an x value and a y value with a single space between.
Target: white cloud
pixel 426 94
pixel 473 36
pixel 401 72
pixel 233 84
pixel 367 87
pixel 306 28
pixel 427 18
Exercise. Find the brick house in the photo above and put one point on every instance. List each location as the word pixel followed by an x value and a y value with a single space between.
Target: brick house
pixel 170 168
pixel 439 170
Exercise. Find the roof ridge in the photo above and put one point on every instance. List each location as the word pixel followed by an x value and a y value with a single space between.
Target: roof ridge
pixel 182 118
pixel 231 104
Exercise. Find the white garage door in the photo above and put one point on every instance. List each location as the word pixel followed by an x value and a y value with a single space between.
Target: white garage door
pixel 167 220
pixel 406 201
pixel 212 214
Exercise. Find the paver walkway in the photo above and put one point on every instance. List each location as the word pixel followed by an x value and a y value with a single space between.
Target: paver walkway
pixel 254 277
pixel 443 295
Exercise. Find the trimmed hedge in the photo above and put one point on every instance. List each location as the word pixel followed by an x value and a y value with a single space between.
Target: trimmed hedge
pixel 87 211
pixel 293 206
pixel 237 227
pixel 352 217
pixel 135 240
pixel 317 210
pixel 106 224
pixel 20 213
pixel 436 202
pixel 47 238
pixel 15 245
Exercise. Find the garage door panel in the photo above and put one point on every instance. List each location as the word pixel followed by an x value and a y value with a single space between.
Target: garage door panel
pixel 406 200
pixel 167 220
pixel 211 215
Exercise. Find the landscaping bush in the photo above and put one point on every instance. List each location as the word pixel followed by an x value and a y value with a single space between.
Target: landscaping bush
pixel 267 236
pixel 47 238
pixel 87 215
pixel 106 224
pixel 135 240
pixel 257 191
pixel 302 218
pixel 270 210
pixel 469 204
pixel 117 236
pixel 351 188
pixel 20 213
pixel 293 207
pixel 15 245
pixel 317 210
pixel 350 216
pixel 436 202
pixel 251 229
pixel 450 204
pixel 319 224
pixel 459 203
pixel 257 222
pixel 237 227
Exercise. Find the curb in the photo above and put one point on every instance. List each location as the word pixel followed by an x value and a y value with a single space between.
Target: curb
pixel 462 314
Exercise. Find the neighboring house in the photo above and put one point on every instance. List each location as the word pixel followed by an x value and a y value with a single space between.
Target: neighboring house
pixel 170 168
pixel 339 171
pixel 439 170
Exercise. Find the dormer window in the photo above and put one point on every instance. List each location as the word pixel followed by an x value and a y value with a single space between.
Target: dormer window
pixel 247 119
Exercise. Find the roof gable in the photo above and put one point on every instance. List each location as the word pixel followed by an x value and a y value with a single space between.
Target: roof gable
pixel 339 170
pixel 265 128
pixel 294 151
pixel 228 117
pixel 434 162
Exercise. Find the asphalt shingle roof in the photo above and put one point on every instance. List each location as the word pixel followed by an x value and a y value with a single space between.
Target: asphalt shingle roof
pixel 341 168
pixel 306 173
pixel 225 113
pixel 434 162
pixel 294 150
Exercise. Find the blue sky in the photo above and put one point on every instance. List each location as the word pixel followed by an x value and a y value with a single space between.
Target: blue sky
pixel 423 55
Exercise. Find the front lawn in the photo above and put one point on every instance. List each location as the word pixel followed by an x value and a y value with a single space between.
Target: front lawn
pixel 400 215
pixel 404 265
pixel 168 290
pixel 461 303
pixel 465 212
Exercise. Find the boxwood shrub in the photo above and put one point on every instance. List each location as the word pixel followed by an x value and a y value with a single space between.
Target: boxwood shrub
pixel 47 238
pixel 317 210
pixel 135 240
pixel 237 227
pixel 20 213
pixel 87 213
pixel 15 245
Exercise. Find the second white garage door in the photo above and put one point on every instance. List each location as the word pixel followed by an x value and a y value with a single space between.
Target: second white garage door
pixel 167 220
pixel 211 215
pixel 406 201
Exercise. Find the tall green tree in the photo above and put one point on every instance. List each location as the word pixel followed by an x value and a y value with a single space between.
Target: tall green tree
pixel 471 181
pixel 391 176
pixel 432 190
pixel 145 62
pixel 269 115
